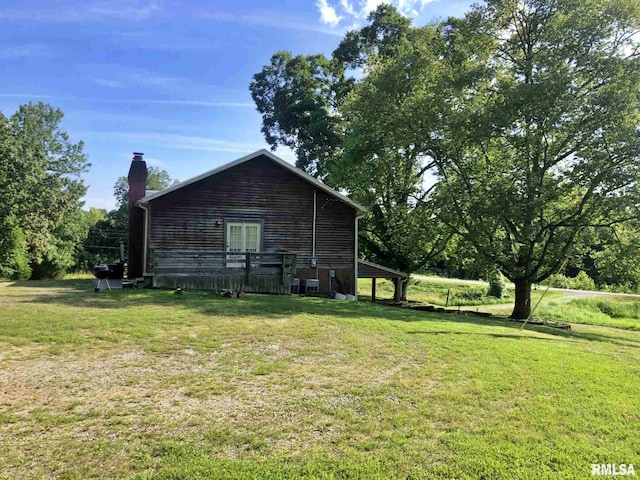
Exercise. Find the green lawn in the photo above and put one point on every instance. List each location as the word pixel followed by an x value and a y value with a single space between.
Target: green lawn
pixel 436 292
pixel 147 384
pixel 620 311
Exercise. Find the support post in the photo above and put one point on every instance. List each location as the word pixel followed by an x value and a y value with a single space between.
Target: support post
pixel 247 266
pixel 284 271
pixel 373 289
pixel 292 270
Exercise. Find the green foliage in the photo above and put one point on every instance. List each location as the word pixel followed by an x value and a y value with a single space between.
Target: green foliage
pixel 157 179
pixel 13 251
pixel 297 97
pixel 497 286
pixel 558 148
pixel 319 108
pixel 436 293
pixel 618 313
pixel 40 187
pixel 515 127
pixel 529 113
pixel 580 282
pixel 98 246
pixel 616 259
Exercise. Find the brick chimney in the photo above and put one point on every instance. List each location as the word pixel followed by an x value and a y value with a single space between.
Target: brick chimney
pixel 137 188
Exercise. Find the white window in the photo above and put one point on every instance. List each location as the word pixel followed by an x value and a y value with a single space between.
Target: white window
pixel 242 237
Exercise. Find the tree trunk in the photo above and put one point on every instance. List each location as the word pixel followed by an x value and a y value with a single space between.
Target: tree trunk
pixel 400 290
pixel 522 307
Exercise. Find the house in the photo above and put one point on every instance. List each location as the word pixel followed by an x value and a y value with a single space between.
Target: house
pixel 257 224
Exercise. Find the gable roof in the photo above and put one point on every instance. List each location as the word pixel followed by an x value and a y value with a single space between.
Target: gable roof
pixel 296 171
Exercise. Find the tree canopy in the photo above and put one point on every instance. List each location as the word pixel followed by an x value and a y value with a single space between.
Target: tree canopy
pixel 515 127
pixel 540 144
pixel 40 191
pixel 317 106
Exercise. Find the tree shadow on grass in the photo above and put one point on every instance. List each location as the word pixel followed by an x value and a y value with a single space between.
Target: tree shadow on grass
pixel 559 334
pixel 77 284
pixel 494 335
pixel 79 293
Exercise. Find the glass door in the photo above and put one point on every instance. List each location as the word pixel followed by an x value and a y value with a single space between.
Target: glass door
pixel 241 237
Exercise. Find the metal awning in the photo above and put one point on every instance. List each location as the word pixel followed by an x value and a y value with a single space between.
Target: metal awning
pixel 373 270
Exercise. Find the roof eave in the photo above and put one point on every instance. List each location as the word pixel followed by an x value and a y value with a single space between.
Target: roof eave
pixel 305 176
pixel 382 267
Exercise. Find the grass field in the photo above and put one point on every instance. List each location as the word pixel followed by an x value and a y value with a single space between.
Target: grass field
pixel 147 384
pixel 619 311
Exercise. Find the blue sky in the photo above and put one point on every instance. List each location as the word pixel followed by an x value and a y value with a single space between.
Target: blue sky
pixel 167 78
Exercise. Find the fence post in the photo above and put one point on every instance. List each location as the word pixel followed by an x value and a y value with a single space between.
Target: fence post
pixel 373 289
pixel 247 266
pixel 284 271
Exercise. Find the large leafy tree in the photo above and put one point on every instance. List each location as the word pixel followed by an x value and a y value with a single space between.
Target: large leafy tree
pixel 547 141
pixel 529 111
pixel 40 191
pixel 323 109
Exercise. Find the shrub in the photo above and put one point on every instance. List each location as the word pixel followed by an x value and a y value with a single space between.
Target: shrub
pixel 48 269
pixel 496 285
pixel 14 261
pixel 582 282
pixel 557 281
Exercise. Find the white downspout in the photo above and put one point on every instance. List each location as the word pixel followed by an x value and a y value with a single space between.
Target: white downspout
pixel 313 234
pixel 144 248
pixel 356 255
pixel 314 262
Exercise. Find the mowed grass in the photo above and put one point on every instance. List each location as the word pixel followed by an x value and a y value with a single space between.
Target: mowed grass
pixel 148 384
pixel 436 293
pixel 619 311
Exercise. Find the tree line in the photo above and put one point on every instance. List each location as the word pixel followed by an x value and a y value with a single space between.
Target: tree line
pixel 504 142
pixel 507 138
pixel 44 231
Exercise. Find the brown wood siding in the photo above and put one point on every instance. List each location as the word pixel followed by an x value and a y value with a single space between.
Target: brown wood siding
pixel 343 282
pixel 194 216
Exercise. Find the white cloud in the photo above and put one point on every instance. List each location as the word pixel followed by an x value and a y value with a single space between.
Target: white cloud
pixel 155 162
pixel 186 142
pixel 196 103
pixel 328 14
pixel 371 5
pixel 74 12
pixel 114 76
pixel 126 10
pixel 108 83
pixel 264 19
pixel 354 12
pixel 26 50
pixel 142 101
pixel 348 7
pixel 98 200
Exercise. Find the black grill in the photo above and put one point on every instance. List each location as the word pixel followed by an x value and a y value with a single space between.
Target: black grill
pixel 102 273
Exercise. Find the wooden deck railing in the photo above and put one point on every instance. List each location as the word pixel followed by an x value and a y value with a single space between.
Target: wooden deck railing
pixel 246 269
